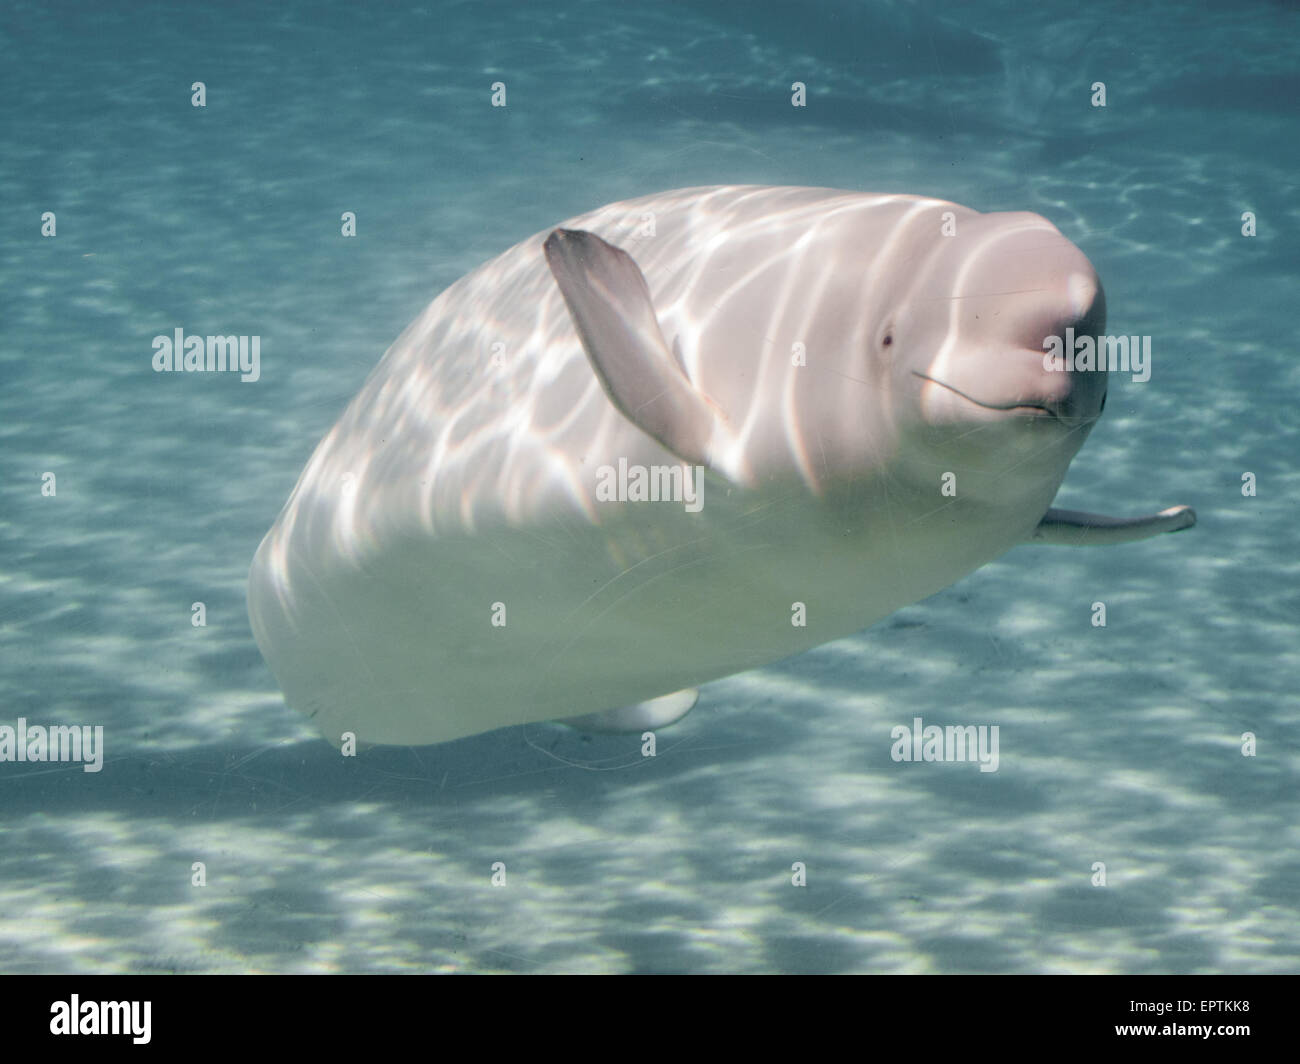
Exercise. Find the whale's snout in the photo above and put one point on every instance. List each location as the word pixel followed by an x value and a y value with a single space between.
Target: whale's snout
pixel 1074 387
pixel 1023 300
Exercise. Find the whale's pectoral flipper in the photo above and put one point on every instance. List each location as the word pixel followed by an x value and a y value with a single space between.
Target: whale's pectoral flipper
pixel 609 301
pixel 1074 528
pixel 638 717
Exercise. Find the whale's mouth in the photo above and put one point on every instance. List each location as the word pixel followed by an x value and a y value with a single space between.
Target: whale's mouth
pixel 1033 410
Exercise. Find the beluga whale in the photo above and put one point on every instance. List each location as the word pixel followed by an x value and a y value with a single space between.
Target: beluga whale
pixel 673 439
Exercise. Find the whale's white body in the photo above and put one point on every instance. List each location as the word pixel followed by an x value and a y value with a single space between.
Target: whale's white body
pixel 459 486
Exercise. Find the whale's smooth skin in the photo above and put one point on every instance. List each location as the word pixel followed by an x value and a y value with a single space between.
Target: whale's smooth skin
pixel 445 566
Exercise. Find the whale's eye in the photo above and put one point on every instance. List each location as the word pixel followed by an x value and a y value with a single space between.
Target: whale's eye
pixel 1103 404
pixel 889 339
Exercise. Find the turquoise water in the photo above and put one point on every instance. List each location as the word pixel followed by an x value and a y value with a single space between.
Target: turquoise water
pixel 1120 745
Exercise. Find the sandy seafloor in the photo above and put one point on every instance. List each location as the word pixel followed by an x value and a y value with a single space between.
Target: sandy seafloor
pixel 1120 745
